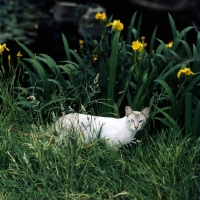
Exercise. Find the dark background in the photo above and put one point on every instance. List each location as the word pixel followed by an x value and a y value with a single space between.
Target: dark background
pixel 48 39
pixel 124 10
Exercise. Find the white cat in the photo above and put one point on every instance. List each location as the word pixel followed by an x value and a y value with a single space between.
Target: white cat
pixel 117 132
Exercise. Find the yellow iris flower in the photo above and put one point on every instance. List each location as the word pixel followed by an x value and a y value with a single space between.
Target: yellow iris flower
pixel 81 43
pixel 170 44
pixel 116 24
pixel 136 45
pixel 95 57
pixel 19 54
pixel 100 16
pixel 3 47
pixel 185 71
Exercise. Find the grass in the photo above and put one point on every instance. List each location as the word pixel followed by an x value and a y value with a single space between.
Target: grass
pixel 36 166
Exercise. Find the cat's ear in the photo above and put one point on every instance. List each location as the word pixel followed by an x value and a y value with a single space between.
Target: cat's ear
pixel 128 110
pixel 145 112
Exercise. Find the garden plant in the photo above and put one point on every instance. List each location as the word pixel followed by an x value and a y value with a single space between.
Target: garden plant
pixel 101 78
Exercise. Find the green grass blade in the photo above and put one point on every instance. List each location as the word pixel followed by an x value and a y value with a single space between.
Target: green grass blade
pixel 131 26
pixel 198 43
pixel 164 121
pixel 162 57
pixel 184 32
pixel 71 62
pixel 71 75
pixel 174 55
pixel 43 77
pixel 188 113
pixel 52 102
pixel 196 119
pixel 113 66
pixel 32 75
pixel 166 73
pixel 169 118
pixel 136 98
pixel 152 41
pixel 49 62
pixel 116 110
pixel 139 26
pixel 76 56
pixel 160 47
pixel 141 102
pixel 127 81
pixel 66 47
pixel 192 83
pixel 29 52
pixel 150 78
pixel 103 74
pixel 180 36
pixel 170 95
pixel 173 26
pixel 129 97
pixel 187 48
pixel 195 55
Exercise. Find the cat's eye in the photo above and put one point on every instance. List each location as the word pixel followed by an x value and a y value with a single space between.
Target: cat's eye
pixel 132 121
pixel 140 121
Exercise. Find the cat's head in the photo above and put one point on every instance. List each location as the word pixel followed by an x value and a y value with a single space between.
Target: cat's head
pixel 135 119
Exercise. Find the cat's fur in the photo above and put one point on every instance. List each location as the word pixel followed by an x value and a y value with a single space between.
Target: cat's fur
pixel 117 132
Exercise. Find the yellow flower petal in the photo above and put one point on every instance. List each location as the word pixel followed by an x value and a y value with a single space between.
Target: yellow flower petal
pixel 179 73
pixel 110 24
pixel 185 71
pixel 19 54
pixel 141 47
pixel 136 45
pixel 81 43
pixel 170 44
pixel 119 26
pixel 100 16
pixel 189 72
pixel 116 24
pixel 3 47
pixel 103 16
pixel 95 58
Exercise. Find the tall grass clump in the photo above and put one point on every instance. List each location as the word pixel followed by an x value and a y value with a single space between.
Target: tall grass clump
pixel 41 167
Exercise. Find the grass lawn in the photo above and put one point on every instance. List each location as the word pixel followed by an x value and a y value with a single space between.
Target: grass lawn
pixel 36 165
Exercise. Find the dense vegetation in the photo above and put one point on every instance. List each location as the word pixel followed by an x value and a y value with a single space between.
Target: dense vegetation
pixel 100 78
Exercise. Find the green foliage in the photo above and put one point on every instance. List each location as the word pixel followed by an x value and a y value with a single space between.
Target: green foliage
pixel 101 78
pixel 110 73
pixel 36 165
pixel 11 112
pixel 21 19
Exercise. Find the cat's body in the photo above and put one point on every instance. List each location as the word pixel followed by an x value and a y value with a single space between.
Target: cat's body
pixel 117 132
